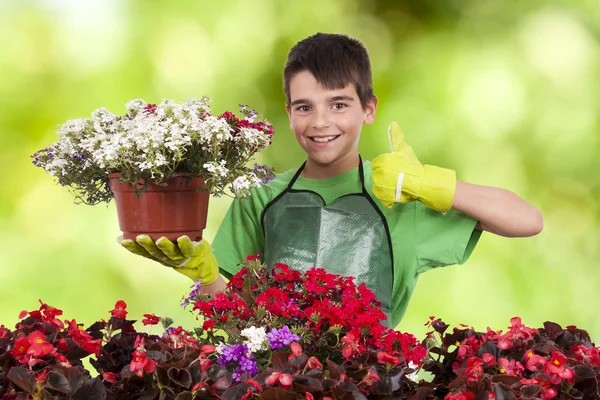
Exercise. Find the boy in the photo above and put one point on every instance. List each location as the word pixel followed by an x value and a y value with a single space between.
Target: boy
pixel 384 222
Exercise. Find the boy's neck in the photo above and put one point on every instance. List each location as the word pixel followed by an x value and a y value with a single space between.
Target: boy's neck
pixel 314 170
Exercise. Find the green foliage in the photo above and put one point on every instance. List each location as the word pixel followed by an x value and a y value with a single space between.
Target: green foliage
pixel 506 93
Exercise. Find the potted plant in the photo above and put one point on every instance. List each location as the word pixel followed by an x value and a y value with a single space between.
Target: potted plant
pixel 159 162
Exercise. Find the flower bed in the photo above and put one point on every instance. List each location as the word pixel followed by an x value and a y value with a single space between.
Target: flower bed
pixel 286 335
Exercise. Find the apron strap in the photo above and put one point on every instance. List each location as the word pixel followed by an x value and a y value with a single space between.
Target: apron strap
pixel 293 180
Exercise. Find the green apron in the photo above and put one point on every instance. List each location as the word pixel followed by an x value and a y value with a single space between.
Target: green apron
pixel 348 237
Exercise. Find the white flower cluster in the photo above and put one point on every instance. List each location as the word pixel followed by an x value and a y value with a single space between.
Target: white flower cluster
pixel 154 141
pixel 257 339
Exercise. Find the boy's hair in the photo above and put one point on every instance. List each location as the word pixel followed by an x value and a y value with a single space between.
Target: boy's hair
pixel 334 60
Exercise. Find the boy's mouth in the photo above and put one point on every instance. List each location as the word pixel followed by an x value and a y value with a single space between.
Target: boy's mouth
pixel 323 139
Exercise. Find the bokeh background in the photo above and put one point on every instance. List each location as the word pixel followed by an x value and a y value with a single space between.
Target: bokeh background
pixel 505 92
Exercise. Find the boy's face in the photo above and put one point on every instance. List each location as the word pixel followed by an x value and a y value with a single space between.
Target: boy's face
pixel 327 123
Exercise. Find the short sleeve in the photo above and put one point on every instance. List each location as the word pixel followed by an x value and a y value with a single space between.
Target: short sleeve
pixel 443 239
pixel 239 236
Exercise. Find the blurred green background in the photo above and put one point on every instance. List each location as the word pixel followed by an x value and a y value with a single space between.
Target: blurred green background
pixel 505 92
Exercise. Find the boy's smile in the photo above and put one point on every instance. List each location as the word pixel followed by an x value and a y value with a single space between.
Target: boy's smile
pixel 327 124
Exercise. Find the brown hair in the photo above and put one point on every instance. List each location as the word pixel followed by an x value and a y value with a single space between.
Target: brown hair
pixel 334 60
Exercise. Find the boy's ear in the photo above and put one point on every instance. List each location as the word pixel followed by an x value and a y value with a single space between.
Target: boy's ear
pixel 370 110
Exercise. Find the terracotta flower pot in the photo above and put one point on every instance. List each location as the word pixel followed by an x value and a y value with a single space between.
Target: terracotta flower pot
pixel 172 211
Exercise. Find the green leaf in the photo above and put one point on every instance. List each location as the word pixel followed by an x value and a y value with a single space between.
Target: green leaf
pixel 277 393
pixel 236 392
pixel 280 361
pixel 185 396
pixel 180 377
pixel 504 393
pixel 92 389
pixel 57 381
pixel 20 377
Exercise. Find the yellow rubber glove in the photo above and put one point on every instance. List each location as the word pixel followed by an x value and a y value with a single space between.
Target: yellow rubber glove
pixel 192 259
pixel 399 177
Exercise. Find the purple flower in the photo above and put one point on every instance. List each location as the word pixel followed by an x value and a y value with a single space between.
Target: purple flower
pixel 250 114
pixel 238 355
pixel 167 333
pixel 37 157
pixel 264 173
pixel 282 337
pixel 79 156
pixel 185 301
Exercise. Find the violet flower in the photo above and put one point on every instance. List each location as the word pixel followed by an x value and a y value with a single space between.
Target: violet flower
pixel 281 337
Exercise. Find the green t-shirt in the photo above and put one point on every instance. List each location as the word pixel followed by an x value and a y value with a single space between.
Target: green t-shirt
pixel 422 238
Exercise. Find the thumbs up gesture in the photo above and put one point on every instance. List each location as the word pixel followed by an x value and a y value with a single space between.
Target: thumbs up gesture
pixel 399 177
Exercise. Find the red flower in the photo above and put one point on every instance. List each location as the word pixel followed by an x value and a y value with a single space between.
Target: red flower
pixel 256 385
pixel 556 362
pixel 285 380
pixel 533 360
pixel 200 385
pixel 371 377
pixel 385 358
pixel 460 396
pixel 309 396
pixel 510 368
pixel 489 359
pixel 556 370
pixel 38 345
pixel 76 331
pixel 205 364
pixel 253 257
pixel 208 325
pixel 248 395
pixel 296 348
pixel 62 360
pixel 282 273
pixel 549 393
pixel 207 349
pixel 150 319
pixel 110 377
pixel 150 109
pixel 505 343
pixel 21 347
pixel 589 355
pixel 314 363
pixel 50 313
pixel 42 376
pixel 119 310
pixel 474 369
pixel 92 346
pixel 141 363
pixel 520 331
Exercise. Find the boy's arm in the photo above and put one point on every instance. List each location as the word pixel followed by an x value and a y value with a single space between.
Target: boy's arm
pixel 214 288
pixel 399 177
pixel 498 211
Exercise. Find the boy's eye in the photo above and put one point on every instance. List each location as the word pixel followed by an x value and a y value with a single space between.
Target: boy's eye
pixel 339 106
pixel 303 108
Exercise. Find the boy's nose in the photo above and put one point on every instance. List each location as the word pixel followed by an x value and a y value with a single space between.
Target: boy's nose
pixel 320 121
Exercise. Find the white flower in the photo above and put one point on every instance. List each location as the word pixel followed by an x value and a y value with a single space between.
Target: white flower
pixel 414 376
pixel 154 142
pixel 135 105
pixel 219 348
pixel 217 168
pixel 243 183
pixel 257 338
